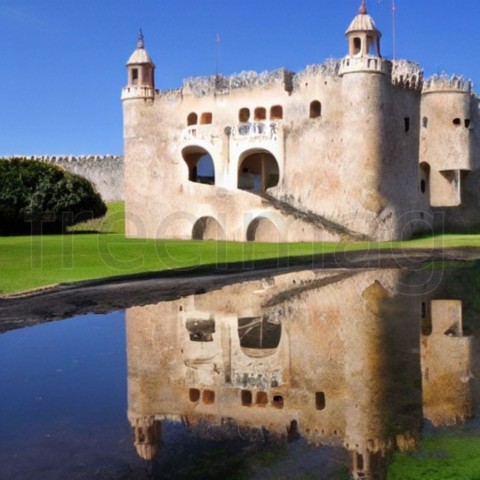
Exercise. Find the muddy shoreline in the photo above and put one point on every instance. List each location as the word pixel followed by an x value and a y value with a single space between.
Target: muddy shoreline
pixel 117 293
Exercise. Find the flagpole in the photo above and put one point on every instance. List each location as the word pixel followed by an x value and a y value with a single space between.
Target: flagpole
pixel 217 41
pixel 394 8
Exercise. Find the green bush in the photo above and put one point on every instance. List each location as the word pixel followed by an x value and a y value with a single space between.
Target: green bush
pixel 37 197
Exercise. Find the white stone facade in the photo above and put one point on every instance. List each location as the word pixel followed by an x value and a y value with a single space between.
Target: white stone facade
pixel 355 149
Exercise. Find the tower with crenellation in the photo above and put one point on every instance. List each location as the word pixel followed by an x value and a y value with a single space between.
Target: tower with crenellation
pixel 362 148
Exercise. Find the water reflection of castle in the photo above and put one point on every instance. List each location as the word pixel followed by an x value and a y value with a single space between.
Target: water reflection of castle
pixel 333 357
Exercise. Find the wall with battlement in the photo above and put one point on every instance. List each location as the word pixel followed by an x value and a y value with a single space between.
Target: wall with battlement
pixel 104 171
pixel 447 83
pixel 365 145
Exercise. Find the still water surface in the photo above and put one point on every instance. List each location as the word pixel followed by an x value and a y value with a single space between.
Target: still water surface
pixel 302 375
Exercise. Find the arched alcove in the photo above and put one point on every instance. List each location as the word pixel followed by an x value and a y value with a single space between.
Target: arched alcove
pixel 207 228
pixel 192 119
pixel 259 336
pixel 200 165
pixel 260 113
pixel 424 178
pixel 258 170
pixel 276 112
pixel 262 229
pixel 244 115
pixel 315 109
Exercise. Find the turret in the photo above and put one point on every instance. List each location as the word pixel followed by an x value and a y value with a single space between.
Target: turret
pixel 147 437
pixel 446 354
pixel 363 35
pixel 363 45
pixel 366 79
pixel 140 68
pixel 446 139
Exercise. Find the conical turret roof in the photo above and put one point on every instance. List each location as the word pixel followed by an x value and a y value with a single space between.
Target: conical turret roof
pixel 140 55
pixel 363 22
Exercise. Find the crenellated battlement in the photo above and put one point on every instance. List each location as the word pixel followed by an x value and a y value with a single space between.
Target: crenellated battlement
pixel 133 92
pixel 219 84
pixel 407 74
pixel 446 83
pixel 329 68
pixel 66 158
pixel 367 64
pixel 221 147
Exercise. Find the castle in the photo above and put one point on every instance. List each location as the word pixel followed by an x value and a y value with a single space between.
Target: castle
pixel 362 148
pixel 336 358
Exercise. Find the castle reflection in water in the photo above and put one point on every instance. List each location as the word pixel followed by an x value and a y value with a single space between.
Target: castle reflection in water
pixel 350 359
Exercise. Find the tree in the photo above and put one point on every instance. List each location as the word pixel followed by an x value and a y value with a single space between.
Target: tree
pixel 37 197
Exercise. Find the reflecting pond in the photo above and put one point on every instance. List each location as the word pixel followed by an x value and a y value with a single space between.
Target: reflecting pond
pixel 314 374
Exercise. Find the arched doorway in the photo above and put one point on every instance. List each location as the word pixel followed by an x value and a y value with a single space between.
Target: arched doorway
pixel 257 171
pixel 200 165
pixel 262 230
pixel 259 336
pixel 207 228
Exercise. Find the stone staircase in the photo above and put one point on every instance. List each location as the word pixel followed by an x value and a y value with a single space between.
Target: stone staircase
pixel 312 218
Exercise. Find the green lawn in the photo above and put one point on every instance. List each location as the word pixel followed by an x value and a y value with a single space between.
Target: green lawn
pixel 99 249
pixel 439 458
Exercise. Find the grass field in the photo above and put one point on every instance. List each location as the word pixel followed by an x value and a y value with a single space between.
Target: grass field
pixel 99 249
pixel 440 457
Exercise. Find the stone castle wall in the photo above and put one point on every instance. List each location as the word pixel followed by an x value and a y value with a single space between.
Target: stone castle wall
pixel 104 171
pixel 361 147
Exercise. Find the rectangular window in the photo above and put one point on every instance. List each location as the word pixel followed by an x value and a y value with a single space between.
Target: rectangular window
pixel 320 400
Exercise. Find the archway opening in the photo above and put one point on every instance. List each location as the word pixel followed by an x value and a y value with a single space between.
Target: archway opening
pixel 257 172
pixel 207 228
pixel 200 165
pixel 356 46
pixel 259 336
pixel 262 230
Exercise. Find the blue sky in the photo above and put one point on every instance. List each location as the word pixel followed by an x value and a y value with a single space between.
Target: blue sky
pixel 63 61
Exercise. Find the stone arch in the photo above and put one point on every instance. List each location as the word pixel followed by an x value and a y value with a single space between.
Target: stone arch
pixel 259 336
pixel 201 168
pixel 262 229
pixel 258 170
pixel 207 228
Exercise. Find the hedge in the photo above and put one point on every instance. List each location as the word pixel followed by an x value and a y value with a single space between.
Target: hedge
pixel 37 197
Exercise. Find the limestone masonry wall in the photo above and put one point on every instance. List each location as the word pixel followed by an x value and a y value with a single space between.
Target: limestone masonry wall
pixel 361 147
pixel 104 171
